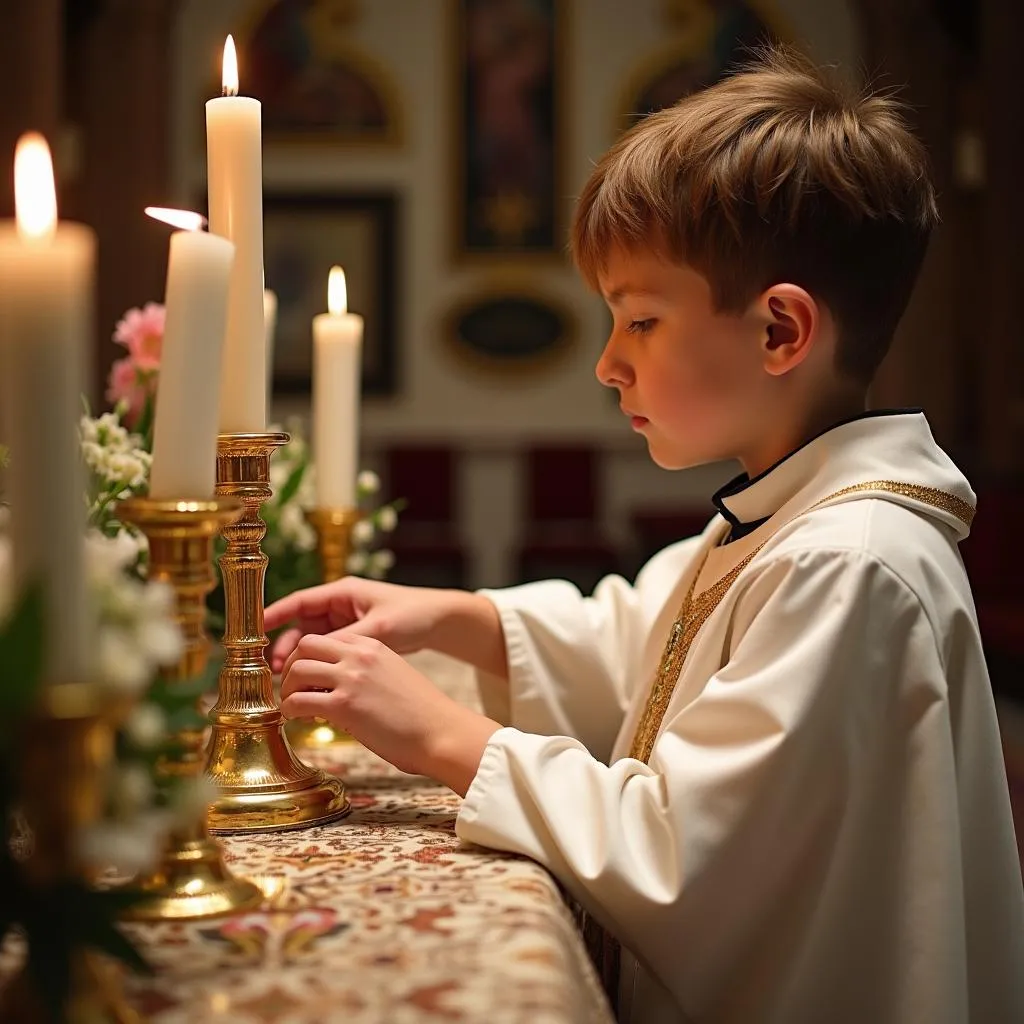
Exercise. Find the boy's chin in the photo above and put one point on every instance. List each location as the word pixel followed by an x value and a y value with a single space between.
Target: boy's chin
pixel 667 457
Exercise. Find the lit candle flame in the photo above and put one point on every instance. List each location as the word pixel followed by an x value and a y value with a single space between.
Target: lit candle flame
pixel 35 194
pixel 184 219
pixel 229 79
pixel 337 292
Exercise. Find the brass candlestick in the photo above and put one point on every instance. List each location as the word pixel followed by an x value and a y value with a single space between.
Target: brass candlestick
pixel 334 544
pixel 192 880
pixel 263 786
pixel 62 755
pixel 334 539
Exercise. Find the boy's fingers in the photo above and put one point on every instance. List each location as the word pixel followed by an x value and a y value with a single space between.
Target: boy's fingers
pixel 312 647
pixel 305 704
pixel 281 611
pixel 313 603
pixel 283 647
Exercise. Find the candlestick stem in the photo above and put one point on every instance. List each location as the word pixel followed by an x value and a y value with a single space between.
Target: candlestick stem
pixel 263 786
pixel 192 880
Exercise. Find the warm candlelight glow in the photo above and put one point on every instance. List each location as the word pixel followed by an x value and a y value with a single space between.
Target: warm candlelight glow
pixel 35 194
pixel 337 292
pixel 184 219
pixel 229 80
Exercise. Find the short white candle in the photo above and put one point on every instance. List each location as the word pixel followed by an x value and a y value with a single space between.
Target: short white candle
pixel 234 159
pixel 188 397
pixel 46 310
pixel 269 331
pixel 337 351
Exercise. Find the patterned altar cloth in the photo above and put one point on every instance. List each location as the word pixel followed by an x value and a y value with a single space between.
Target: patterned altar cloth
pixel 381 917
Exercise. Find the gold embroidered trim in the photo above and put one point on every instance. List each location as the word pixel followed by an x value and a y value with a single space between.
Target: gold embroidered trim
pixel 926 495
pixel 696 610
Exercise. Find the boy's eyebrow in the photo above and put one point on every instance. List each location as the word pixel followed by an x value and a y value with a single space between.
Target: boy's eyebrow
pixel 617 294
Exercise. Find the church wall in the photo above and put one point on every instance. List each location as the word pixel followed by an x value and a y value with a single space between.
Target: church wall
pixel 488 414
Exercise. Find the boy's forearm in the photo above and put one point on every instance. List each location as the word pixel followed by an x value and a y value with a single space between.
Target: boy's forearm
pixel 471 631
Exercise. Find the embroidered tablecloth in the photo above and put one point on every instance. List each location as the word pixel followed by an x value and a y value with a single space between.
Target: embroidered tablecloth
pixel 381 917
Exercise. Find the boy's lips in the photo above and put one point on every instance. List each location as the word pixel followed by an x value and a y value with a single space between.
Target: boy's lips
pixel 636 421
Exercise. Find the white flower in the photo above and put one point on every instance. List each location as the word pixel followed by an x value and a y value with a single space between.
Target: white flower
pixel 387 519
pixel 146 725
pixel 129 847
pixel 294 528
pixel 158 600
pixel 122 665
pixel 279 473
pixel 362 532
pixel 161 641
pixel 88 429
pixel 368 482
pixel 190 800
pixel 357 563
pixel 379 563
pixel 132 789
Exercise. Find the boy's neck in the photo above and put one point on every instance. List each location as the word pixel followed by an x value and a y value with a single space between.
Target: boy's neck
pixel 786 439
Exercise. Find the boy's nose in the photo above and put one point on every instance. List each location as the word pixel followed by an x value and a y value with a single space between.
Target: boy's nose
pixel 611 370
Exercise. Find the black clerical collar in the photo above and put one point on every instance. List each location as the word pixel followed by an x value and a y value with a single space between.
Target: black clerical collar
pixel 747 504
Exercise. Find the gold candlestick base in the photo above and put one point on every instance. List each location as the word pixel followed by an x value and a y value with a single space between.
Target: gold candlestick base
pixel 334 543
pixel 191 881
pixel 263 786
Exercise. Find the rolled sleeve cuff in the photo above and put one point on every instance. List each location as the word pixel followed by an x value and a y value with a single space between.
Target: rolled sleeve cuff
pixel 498 696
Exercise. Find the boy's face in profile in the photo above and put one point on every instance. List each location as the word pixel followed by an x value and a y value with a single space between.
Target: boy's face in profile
pixel 691 379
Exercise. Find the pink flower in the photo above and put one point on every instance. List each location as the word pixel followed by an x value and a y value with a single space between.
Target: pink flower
pixel 130 384
pixel 142 333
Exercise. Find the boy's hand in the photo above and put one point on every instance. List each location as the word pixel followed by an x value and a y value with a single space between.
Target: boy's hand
pixel 404 618
pixel 359 684
pixel 407 619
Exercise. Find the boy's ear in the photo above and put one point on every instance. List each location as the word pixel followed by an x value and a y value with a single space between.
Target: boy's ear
pixel 791 316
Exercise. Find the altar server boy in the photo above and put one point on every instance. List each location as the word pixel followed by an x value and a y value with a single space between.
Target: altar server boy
pixel 771 767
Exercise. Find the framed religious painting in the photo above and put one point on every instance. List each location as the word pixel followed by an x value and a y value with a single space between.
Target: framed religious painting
pixel 510 329
pixel 316 85
pixel 709 38
pixel 508 95
pixel 304 236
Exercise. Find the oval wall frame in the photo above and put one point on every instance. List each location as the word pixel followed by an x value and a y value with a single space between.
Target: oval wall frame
pixel 510 330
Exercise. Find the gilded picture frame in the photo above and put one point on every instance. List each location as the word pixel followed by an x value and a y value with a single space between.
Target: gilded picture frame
pixel 304 236
pixel 509 95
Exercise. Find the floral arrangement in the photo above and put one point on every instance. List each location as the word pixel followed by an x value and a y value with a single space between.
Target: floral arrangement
pixel 117 446
pixel 136 635
pixel 133 378
pixel 291 541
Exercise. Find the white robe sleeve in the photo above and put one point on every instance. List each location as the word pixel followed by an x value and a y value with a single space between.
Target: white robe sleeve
pixel 569 656
pixel 798 758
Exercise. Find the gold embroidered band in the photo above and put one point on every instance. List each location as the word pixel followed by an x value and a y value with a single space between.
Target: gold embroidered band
pixel 696 610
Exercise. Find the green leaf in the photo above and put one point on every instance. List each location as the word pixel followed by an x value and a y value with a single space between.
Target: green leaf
pixel 292 484
pixel 144 426
pixel 22 651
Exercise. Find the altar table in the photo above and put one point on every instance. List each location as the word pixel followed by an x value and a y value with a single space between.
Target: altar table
pixel 381 917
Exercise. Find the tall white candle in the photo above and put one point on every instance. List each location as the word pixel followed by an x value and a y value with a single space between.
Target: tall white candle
pixel 235 181
pixel 337 351
pixel 188 397
pixel 269 332
pixel 46 309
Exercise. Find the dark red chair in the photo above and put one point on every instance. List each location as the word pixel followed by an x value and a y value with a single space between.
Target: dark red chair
pixel 656 528
pixel 995 565
pixel 562 537
pixel 427 544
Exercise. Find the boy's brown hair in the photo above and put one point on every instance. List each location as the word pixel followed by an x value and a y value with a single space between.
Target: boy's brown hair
pixel 774 174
